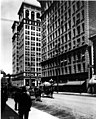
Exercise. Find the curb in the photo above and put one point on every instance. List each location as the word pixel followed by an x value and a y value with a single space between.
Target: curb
pixel 76 94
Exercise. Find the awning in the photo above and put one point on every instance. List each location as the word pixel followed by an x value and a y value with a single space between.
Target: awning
pixel 93 80
pixel 46 84
pixel 60 84
pixel 75 82
pixel 70 83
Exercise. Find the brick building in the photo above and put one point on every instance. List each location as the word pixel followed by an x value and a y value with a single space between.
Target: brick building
pixel 66 47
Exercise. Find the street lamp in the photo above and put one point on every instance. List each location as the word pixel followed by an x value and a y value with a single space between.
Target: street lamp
pixel 30 75
pixel 57 51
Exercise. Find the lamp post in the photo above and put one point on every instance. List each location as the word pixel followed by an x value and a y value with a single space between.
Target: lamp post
pixel 57 51
pixel 30 76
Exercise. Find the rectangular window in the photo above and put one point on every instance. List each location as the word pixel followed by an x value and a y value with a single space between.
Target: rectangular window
pixel 74 33
pixel 33 48
pixel 73 21
pixel 69 13
pixel 82 14
pixel 78 5
pixel 78 41
pixel 73 8
pixel 32 28
pixel 78 18
pixel 33 38
pixel 33 43
pixel 65 16
pixel 83 40
pixel 82 3
pixel 33 33
pixel 83 29
pixel 66 27
pixel 79 68
pixel 69 35
pixel 65 37
pixel 69 24
pixel 78 30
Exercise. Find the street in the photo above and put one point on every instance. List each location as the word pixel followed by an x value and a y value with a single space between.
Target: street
pixel 78 107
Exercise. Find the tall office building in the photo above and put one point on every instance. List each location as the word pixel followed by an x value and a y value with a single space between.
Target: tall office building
pixel 66 28
pixel 29 42
pixel 15 48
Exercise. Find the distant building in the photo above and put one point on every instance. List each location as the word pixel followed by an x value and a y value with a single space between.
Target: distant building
pixel 29 45
pixel 15 48
pixel 66 47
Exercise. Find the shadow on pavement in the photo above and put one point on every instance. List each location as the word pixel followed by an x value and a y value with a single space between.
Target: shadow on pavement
pixel 8 113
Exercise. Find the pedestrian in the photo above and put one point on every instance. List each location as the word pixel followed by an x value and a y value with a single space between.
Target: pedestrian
pixel 24 104
pixel 38 94
pixel 51 91
pixel 4 98
pixel 17 98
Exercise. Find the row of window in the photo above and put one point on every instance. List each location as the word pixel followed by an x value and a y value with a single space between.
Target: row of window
pixel 32 38
pixel 32 69
pixel 32 27
pixel 30 22
pixel 28 58
pixel 59 9
pixel 32 33
pixel 32 44
pixel 62 47
pixel 33 49
pixel 71 34
pixel 67 59
pixel 32 64
pixel 77 19
pixel 32 14
pixel 79 68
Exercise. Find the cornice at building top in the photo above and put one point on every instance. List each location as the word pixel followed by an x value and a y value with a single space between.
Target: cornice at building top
pixel 44 9
pixel 14 24
pixel 29 4
pixel 14 36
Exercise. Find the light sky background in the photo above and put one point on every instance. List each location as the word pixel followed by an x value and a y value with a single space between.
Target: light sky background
pixel 9 10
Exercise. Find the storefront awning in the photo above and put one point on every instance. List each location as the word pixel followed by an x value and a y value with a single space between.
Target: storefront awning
pixel 70 83
pixel 93 80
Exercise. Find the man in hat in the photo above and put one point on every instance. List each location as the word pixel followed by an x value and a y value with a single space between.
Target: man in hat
pixel 24 104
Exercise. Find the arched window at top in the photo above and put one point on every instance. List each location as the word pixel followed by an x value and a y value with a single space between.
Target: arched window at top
pixel 38 15
pixel 32 15
pixel 27 14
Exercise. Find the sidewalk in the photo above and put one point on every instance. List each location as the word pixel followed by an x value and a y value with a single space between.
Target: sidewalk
pixel 34 113
pixel 77 94
pixel 9 113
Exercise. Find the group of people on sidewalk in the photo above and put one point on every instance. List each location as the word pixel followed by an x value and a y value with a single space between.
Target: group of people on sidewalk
pixel 22 98
pixel 23 101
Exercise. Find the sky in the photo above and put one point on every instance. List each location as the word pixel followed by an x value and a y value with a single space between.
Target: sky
pixel 9 10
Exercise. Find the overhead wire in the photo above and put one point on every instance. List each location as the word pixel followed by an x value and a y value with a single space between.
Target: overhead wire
pixel 9 20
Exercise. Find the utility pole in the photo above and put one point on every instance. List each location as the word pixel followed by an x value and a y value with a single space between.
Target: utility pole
pixel 57 51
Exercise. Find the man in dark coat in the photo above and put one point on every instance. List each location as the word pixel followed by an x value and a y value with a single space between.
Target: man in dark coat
pixel 24 104
pixel 38 94
pixel 4 98
pixel 17 98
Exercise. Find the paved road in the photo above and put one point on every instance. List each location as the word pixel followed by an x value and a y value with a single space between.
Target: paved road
pixel 79 106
